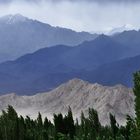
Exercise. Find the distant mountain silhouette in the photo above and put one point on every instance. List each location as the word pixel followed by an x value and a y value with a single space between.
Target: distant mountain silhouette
pixel 49 67
pixel 20 35
pixel 117 30
pixel 131 39
pixel 119 72
pixel 91 54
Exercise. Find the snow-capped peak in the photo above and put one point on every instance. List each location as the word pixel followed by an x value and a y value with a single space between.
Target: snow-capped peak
pixel 120 29
pixel 11 19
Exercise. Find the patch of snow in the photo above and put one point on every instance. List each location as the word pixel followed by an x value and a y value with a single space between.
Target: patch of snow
pixel 11 19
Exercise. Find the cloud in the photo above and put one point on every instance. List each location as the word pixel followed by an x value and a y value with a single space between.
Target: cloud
pixel 97 1
pixel 5 1
pixel 87 15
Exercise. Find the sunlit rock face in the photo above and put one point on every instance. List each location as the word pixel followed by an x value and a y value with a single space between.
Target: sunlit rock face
pixel 79 95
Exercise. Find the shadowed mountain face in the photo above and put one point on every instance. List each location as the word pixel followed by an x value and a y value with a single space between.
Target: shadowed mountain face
pixel 117 72
pixel 20 35
pixel 49 67
pixel 101 60
pixel 80 96
pixel 131 39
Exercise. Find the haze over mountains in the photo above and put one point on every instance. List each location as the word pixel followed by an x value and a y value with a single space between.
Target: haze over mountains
pixel 131 39
pixel 47 56
pixel 20 35
pixel 80 96
pixel 108 60
pixel 117 72
pixel 49 67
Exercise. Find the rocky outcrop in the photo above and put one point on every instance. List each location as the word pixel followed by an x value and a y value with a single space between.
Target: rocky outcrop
pixel 79 95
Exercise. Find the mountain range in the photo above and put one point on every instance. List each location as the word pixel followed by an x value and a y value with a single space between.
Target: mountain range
pixel 117 72
pixel 20 35
pixel 131 39
pixel 80 96
pixel 117 30
pixel 37 60
pixel 108 60
pixel 49 67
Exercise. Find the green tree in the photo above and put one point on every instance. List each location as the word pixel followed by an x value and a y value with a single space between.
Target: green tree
pixel 22 128
pixel 94 124
pixel 70 124
pixel 39 121
pixel 130 129
pixel 114 127
pixel 136 90
pixel 59 125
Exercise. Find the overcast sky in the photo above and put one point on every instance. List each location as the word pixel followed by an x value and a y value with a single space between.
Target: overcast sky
pixel 80 15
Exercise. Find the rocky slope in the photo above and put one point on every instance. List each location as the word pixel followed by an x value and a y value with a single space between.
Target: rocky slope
pixel 79 95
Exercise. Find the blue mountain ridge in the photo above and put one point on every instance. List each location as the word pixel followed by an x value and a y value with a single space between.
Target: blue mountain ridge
pixel 47 68
pixel 20 35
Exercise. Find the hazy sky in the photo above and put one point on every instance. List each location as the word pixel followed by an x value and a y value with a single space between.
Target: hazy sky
pixel 80 15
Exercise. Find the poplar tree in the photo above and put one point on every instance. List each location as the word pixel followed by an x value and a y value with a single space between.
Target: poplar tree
pixel 136 90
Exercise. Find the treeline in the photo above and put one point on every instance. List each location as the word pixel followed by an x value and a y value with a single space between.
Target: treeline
pixel 13 127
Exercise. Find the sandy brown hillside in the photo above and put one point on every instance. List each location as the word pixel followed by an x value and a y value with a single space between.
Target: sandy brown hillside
pixel 79 95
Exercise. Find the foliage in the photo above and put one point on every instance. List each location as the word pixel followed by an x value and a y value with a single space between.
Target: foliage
pixel 13 127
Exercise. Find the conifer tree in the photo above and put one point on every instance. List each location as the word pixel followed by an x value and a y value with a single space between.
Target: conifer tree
pixel 46 123
pixel 136 90
pixel 114 127
pixel 39 121
pixel 93 116
pixel 130 129
pixel 59 125
pixel 70 124
pixel 22 128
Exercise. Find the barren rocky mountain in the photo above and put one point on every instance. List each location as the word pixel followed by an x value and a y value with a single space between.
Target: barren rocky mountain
pixel 79 95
